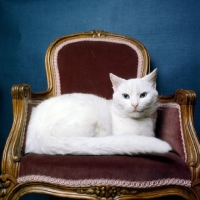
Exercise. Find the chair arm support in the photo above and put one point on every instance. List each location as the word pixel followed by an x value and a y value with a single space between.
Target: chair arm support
pixel 187 99
pixel 12 151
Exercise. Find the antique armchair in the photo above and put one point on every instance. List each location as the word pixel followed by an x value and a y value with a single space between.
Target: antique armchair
pixel 81 63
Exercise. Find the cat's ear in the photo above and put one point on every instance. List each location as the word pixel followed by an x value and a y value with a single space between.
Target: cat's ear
pixel 116 81
pixel 151 77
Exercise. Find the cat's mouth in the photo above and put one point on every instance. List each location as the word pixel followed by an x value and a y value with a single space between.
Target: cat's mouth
pixel 138 111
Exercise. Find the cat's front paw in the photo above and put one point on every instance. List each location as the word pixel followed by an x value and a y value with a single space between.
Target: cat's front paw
pixel 162 146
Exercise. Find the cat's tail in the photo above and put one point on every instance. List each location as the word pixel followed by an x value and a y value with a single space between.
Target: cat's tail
pixel 108 145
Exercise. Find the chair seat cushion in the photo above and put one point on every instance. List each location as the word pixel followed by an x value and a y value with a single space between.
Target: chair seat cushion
pixel 127 171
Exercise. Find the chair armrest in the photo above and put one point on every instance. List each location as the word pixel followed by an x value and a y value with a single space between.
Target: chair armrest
pixel 187 99
pixel 21 95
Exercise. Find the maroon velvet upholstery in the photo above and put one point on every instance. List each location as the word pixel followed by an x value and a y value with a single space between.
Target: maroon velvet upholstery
pixel 88 64
pixel 131 171
pixel 169 127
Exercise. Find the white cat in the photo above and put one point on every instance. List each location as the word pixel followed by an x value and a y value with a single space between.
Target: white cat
pixel 85 124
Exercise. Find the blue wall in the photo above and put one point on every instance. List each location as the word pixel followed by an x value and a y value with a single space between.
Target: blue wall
pixel 170 29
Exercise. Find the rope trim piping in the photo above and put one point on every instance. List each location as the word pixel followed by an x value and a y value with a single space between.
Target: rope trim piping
pixel 55 64
pixel 177 106
pixel 105 182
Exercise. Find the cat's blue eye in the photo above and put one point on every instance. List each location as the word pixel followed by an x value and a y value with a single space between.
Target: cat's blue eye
pixel 142 95
pixel 126 96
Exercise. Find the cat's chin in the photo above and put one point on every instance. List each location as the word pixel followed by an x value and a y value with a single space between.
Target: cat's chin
pixel 140 113
pixel 136 114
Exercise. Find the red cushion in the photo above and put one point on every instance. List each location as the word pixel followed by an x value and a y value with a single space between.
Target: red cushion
pixel 137 171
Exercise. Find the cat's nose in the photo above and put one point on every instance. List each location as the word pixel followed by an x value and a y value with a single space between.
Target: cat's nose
pixel 135 105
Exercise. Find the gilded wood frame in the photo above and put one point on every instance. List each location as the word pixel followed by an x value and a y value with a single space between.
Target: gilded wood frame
pixel 21 94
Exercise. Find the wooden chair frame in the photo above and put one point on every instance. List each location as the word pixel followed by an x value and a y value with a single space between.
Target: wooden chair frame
pixel 21 94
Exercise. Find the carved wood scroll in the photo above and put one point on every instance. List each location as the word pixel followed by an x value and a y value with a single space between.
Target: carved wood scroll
pixel 106 192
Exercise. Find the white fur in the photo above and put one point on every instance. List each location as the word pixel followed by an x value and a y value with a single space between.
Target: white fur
pixel 85 124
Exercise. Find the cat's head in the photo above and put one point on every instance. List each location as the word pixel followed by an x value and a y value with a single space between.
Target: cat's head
pixel 135 98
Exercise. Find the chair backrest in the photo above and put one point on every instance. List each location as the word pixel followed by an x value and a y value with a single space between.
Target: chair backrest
pixel 82 62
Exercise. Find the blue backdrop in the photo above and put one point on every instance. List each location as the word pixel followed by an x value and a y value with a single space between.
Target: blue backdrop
pixel 170 30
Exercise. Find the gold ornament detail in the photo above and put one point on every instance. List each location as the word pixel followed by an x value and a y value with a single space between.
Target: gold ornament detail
pixel 4 184
pixel 107 192
pixel 98 33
